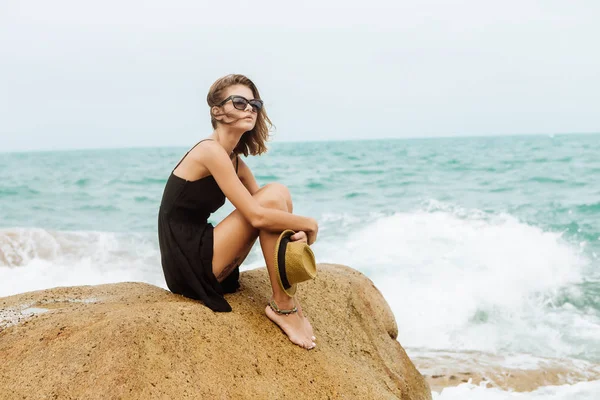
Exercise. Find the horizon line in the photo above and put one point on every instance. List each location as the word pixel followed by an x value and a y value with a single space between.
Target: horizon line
pixel 42 150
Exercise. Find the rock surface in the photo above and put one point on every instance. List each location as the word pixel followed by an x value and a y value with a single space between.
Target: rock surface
pixel 514 372
pixel 138 341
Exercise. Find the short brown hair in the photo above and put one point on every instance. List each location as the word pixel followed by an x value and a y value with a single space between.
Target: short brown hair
pixel 252 142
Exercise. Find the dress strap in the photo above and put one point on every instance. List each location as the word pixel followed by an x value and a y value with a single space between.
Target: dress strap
pixel 237 161
pixel 183 158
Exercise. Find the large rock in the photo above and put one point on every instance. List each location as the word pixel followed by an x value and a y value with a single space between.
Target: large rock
pixel 133 340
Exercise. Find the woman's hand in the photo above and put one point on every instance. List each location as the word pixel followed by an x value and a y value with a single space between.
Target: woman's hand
pixel 299 236
pixel 309 235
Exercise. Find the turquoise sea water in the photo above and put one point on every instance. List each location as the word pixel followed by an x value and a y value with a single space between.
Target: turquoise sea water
pixel 487 243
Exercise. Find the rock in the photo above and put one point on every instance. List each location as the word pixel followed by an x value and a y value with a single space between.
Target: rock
pixel 138 341
pixel 514 372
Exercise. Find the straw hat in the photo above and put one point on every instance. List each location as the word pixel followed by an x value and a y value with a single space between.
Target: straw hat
pixel 294 262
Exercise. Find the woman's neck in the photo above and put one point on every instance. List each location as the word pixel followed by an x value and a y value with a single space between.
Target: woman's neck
pixel 227 139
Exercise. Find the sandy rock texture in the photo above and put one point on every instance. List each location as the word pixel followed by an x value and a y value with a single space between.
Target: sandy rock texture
pixel 138 341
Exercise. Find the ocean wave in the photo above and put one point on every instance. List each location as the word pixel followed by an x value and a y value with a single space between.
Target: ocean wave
pixel 590 208
pixel 145 181
pixel 315 185
pixel 502 189
pixel 545 179
pixel 83 182
pixel 369 171
pixel 266 177
pixel 353 195
pixel 18 191
pixel 470 279
pixel 35 259
pixel 98 207
pixel 144 199
pixel 19 247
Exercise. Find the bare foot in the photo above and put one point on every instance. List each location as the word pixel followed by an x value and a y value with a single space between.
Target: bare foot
pixel 294 327
pixel 307 325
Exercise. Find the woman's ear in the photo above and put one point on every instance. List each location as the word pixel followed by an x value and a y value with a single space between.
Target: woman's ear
pixel 216 113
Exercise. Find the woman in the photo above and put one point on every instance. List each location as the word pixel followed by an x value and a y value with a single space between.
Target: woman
pixel 202 262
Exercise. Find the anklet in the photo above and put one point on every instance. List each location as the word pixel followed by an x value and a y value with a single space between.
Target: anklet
pixel 274 307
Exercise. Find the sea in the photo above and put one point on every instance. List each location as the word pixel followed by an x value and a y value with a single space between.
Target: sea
pixel 479 244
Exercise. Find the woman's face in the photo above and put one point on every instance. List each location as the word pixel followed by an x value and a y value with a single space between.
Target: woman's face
pixel 242 119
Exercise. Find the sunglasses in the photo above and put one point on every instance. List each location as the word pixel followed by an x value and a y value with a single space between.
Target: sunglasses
pixel 240 103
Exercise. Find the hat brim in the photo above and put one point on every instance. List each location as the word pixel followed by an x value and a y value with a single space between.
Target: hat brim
pixel 279 268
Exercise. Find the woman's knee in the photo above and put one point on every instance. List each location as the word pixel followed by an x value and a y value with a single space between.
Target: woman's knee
pixel 274 195
pixel 272 200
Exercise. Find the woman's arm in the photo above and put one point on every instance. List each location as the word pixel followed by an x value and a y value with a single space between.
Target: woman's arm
pixel 219 164
pixel 247 177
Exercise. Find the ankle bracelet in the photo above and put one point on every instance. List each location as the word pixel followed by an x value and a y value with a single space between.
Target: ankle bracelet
pixel 279 311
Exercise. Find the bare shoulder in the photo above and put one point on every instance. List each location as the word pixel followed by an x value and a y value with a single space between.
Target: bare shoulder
pixel 207 149
pixel 197 163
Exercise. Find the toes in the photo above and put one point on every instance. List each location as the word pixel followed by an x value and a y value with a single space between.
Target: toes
pixel 309 344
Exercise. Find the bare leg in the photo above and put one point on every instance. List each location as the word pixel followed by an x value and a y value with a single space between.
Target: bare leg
pixel 308 326
pixel 231 239
pixel 294 325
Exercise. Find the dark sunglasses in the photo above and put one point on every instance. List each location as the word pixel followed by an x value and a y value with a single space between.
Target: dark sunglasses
pixel 240 103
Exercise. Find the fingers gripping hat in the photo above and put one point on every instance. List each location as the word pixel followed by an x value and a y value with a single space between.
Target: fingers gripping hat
pixel 294 262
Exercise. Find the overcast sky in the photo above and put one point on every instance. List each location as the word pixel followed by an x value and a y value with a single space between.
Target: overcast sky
pixel 117 73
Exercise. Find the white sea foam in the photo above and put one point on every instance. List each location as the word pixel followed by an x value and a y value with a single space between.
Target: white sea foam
pixel 467 391
pixel 35 259
pixel 460 279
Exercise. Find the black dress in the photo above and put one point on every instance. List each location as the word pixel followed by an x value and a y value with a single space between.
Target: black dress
pixel 186 240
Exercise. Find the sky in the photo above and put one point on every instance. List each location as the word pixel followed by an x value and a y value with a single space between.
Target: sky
pixel 117 73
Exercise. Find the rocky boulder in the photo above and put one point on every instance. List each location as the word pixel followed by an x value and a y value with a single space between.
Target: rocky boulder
pixel 138 341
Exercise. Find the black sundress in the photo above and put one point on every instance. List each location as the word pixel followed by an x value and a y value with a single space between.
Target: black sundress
pixel 186 240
